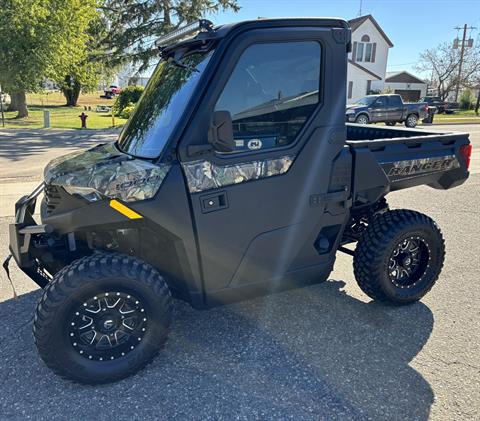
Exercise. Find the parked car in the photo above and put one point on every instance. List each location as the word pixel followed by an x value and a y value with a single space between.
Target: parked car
pixel 435 101
pixel 112 90
pixel 124 227
pixel 451 107
pixel 441 105
pixel 389 109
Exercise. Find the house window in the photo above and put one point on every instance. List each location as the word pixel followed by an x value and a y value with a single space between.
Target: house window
pixel 360 51
pixel 364 50
pixel 350 89
pixel 369 86
pixel 368 52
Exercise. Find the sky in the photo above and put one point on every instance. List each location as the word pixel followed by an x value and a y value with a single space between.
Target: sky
pixel 412 25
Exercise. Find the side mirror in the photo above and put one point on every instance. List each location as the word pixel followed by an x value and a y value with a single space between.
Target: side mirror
pixel 220 133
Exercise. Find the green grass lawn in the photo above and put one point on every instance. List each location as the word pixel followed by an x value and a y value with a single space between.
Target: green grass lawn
pixel 462 116
pixel 62 117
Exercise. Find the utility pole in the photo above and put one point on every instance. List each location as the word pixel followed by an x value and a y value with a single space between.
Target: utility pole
pixel 462 52
pixel 360 10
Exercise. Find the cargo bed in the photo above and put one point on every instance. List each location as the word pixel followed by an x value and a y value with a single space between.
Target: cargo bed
pixel 388 159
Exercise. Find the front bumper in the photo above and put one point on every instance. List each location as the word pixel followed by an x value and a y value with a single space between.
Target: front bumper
pixel 23 232
pixel 349 118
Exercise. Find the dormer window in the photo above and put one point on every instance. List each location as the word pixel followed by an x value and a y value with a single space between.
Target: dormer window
pixel 364 50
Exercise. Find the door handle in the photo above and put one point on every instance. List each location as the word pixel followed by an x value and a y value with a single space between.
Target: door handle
pixel 214 202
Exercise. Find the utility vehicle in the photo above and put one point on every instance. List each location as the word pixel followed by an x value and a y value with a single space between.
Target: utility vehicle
pixel 236 176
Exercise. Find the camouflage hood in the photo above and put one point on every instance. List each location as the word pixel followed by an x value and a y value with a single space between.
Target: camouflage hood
pixel 110 172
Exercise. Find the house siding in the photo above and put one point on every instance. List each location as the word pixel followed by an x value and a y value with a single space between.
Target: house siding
pixel 378 66
pixel 359 81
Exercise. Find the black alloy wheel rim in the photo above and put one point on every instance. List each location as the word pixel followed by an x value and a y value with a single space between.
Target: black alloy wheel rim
pixel 409 262
pixel 107 326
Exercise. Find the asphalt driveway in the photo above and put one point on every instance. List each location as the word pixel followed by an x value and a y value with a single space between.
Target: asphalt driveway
pixel 319 353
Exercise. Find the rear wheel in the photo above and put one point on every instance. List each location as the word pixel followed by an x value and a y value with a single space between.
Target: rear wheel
pixel 399 257
pixel 102 318
pixel 411 121
pixel 362 119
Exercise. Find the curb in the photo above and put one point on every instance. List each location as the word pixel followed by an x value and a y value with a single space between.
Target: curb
pixel 451 123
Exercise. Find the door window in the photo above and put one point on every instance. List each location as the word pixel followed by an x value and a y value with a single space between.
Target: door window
pixel 270 94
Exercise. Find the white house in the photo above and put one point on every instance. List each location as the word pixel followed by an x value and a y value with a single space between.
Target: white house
pixel 367 63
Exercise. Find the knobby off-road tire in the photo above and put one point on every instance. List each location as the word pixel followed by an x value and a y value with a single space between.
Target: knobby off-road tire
pixel 121 302
pixel 399 257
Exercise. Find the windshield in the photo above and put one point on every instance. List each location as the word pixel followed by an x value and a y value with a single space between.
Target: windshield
pixel 161 106
pixel 366 100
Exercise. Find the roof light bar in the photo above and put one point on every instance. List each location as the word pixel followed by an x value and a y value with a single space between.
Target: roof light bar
pixel 184 31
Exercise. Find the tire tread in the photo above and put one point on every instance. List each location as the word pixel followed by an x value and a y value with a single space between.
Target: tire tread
pixel 87 270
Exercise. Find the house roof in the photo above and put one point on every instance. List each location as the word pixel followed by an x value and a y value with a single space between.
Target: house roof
pixel 355 23
pixel 364 69
pixel 402 77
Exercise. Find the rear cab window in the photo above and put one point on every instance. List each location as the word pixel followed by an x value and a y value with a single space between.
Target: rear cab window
pixel 395 101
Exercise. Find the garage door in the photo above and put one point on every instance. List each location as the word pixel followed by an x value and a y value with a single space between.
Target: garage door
pixel 408 95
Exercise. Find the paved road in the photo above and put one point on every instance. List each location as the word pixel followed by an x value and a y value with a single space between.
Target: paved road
pixel 322 352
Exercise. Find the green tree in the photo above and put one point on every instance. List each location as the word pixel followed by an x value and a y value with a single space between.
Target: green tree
pixel 466 99
pixel 40 39
pixel 129 95
pixel 84 74
pixel 136 25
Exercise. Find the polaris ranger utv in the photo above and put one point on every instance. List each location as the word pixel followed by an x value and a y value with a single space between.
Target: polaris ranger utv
pixel 236 176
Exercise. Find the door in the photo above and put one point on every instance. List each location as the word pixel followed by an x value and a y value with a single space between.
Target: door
pixel 395 108
pixel 259 210
pixel 378 110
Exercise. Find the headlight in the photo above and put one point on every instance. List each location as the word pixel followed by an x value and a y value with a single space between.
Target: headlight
pixel 129 181
pixel 350 112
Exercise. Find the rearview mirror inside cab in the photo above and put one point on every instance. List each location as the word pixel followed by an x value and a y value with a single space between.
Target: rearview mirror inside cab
pixel 220 133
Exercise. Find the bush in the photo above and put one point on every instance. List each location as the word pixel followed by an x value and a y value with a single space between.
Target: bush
pixel 127 97
pixel 127 111
pixel 466 100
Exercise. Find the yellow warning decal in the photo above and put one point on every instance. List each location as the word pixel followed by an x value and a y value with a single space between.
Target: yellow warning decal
pixel 124 210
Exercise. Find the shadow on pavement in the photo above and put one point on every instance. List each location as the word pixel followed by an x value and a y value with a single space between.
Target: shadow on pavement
pixel 312 353
pixel 19 144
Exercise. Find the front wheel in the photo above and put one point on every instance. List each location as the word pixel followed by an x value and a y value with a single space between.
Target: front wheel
pixel 411 121
pixel 102 318
pixel 362 119
pixel 399 257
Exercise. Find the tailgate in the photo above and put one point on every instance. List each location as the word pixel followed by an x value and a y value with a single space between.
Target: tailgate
pixel 435 159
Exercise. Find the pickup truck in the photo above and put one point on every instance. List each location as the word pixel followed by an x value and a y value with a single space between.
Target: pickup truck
pixel 235 176
pixel 440 105
pixel 389 109
pixel 112 90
